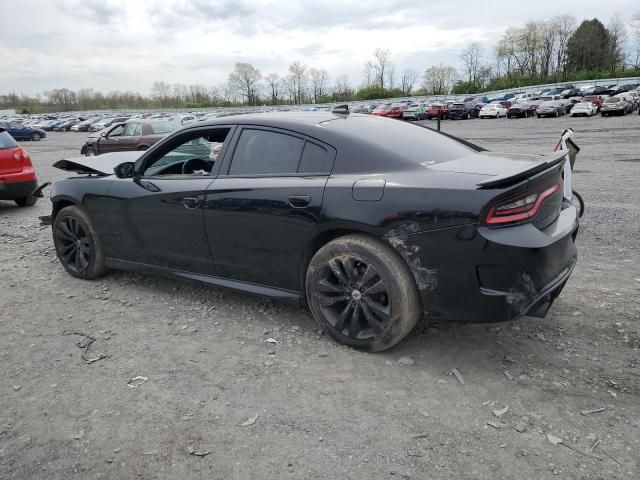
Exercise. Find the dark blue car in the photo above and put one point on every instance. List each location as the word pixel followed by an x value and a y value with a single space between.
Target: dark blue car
pixel 20 132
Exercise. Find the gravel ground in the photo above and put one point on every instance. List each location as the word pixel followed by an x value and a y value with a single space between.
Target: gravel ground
pixel 220 402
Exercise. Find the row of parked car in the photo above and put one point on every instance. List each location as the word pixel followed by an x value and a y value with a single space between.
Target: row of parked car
pixel 36 127
pixel 590 100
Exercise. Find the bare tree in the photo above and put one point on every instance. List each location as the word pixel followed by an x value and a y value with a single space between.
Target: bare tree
pixel 566 25
pixel 439 79
pixel 161 91
pixel 380 65
pixel 408 81
pixel 319 82
pixel 634 58
pixel 273 81
pixel 617 37
pixel 342 90
pixel 244 80
pixel 368 74
pixel 471 58
pixel 549 31
pixel 298 75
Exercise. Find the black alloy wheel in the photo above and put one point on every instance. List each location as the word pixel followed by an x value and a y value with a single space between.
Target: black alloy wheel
pixel 353 298
pixel 74 248
pixel 76 243
pixel 361 291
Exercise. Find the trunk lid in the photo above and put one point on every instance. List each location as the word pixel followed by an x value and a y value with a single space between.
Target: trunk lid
pixel 501 169
pixel 98 165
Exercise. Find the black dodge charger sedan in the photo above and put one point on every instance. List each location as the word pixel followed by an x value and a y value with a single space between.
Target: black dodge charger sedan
pixel 373 222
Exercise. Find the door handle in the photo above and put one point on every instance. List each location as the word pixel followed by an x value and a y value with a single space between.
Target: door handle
pixel 190 202
pixel 299 201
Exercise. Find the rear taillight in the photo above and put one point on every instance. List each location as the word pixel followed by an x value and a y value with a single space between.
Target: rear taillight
pixel 521 207
pixel 20 155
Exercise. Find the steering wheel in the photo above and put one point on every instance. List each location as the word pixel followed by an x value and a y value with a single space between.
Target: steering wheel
pixel 194 164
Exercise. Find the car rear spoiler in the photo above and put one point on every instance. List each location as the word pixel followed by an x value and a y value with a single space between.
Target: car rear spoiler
pixel 547 162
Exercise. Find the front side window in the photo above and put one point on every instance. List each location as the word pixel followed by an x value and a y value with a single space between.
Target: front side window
pixel 261 152
pixel 117 131
pixel 193 155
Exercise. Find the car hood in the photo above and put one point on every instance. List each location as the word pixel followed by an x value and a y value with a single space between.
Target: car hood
pixel 101 164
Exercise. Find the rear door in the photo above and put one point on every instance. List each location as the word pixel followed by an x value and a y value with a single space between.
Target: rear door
pixel 264 207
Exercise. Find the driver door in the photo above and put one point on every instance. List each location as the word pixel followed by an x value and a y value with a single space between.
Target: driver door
pixel 111 142
pixel 157 217
pixel 130 137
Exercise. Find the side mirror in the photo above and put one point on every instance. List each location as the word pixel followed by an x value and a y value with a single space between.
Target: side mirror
pixel 104 134
pixel 125 170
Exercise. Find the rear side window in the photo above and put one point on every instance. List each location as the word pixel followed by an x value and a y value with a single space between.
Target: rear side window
pixel 7 141
pixel 315 159
pixel 261 152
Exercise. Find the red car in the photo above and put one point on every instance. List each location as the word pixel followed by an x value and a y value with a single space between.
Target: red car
pixel 436 109
pixel 595 99
pixel 17 177
pixel 397 111
pixel 382 110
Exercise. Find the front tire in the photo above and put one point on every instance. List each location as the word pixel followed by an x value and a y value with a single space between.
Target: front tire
pixel 362 293
pixel 91 152
pixel 36 137
pixel 77 245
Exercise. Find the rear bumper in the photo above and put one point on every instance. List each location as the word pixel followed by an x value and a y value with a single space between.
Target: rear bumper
pixel 501 273
pixel 11 191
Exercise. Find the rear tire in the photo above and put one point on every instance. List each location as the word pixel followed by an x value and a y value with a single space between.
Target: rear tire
pixel 91 152
pixel 77 245
pixel 362 293
pixel 26 201
pixel 36 137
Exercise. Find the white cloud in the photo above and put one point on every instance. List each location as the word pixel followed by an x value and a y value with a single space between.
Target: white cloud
pixel 126 45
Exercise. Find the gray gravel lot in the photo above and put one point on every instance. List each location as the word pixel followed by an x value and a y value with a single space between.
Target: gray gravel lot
pixel 321 410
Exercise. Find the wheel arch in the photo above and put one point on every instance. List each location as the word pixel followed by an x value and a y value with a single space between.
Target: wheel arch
pixel 59 203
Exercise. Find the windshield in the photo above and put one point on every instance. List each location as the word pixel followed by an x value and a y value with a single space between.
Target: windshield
pixel 164 127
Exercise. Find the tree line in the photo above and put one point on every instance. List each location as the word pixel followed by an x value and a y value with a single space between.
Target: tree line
pixel 540 51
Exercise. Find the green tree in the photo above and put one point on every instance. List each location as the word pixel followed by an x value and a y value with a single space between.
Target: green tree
pixel 589 47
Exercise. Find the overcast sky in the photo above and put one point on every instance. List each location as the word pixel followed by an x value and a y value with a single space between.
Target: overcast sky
pixel 126 45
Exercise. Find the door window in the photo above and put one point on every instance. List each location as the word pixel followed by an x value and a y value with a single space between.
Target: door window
pixel 315 159
pixel 192 155
pixel 117 132
pixel 262 152
pixel 130 129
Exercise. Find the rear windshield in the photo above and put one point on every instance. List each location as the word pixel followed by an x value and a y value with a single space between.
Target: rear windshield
pixel 457 105
pixel 7 141
pixel 611 100
pixel 412 142
pixel 164 127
